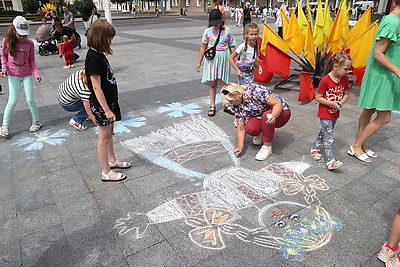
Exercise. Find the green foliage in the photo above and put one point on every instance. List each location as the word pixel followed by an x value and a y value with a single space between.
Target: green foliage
pixel 30 6
pixel 81 3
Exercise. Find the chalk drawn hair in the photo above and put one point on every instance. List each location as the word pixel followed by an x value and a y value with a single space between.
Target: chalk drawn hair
pixel 231 91
pixel 169 147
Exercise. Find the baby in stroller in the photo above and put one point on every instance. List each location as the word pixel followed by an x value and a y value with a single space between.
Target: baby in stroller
pixel 44 36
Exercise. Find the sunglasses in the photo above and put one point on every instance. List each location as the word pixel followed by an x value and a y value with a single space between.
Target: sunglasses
pixel 225 92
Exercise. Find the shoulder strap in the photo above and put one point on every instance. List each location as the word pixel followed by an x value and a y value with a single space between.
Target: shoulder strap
pixel 217 41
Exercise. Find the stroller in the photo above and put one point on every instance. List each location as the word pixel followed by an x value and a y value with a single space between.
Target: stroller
pixel 47 43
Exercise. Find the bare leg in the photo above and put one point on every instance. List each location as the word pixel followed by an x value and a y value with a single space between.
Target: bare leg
pixel 213 91
pixel 363 121
pixel 382 118
pixel 394 236
pixel 111 153
pixel 104 140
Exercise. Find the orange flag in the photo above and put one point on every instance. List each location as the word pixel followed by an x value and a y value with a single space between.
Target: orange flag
pixel 360 27
pixel 285 21
pixel 270 36
pixel 335 38
pixel 360 49
pixel 294 38
pixel 308 51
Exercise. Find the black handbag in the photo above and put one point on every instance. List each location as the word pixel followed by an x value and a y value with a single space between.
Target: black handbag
pixel 210 52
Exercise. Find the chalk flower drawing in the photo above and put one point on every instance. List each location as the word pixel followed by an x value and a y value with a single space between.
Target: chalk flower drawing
pixel 177 109
pixel 207 232
pixel 42 138
pixel 127 121
pixel 308 185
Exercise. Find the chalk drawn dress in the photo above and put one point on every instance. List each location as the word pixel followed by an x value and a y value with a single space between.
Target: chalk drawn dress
pixel 380 87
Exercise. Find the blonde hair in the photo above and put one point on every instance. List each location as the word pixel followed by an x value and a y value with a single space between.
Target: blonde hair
pixel 99 36
pixel 83 77
pixel 231 91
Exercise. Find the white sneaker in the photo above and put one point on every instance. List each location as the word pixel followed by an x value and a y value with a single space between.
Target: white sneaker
pixel 66 67
pixel 257 140
pixel 71 66
pixel 264 153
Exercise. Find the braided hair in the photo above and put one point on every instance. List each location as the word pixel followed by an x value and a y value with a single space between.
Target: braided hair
pixel 250 26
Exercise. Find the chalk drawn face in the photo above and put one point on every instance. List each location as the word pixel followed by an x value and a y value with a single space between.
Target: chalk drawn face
pixel 277 218
pixel 298 232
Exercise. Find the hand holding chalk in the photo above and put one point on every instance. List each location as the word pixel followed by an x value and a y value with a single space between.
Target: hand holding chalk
pixel 269 116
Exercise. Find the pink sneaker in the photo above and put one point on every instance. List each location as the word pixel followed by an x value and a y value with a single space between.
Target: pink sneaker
pixel 386 255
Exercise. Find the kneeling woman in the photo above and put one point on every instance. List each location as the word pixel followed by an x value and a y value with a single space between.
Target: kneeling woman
pixel 258 111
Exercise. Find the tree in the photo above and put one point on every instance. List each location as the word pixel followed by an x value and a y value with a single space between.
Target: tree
pixel 30 6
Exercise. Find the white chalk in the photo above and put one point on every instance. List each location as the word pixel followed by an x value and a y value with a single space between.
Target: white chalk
pixel 269 116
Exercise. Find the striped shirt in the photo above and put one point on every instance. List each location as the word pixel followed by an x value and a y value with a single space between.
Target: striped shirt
pixel 72 90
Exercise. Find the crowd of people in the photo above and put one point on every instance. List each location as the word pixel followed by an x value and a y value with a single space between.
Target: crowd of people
pixel 257 111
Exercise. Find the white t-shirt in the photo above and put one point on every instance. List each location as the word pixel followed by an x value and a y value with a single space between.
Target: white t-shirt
pixel 249 52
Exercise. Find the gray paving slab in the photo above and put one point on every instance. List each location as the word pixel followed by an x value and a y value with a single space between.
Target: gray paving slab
pixel 55 211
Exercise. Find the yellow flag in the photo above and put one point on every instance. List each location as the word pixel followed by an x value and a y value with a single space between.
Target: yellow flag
pixel 302 18
pixel 359 49
pixel 285 21
pixel 294 38
pixel 318 32
pixel 335 38
pixel 270 36
pixel 327 20
pixel 309 52
pixel 309 16
pixel 360 27
pixel 345 21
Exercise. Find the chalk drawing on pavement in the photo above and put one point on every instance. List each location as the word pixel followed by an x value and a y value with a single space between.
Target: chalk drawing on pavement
pixel 41 139
pixel 177 109
pixel 127 122
pixel 292 228
pixel 168 147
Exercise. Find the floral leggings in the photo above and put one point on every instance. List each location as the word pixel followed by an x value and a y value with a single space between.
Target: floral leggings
pixel 325 138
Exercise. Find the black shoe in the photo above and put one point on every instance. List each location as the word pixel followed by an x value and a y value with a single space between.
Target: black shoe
pixel 75 57
pixel 229 111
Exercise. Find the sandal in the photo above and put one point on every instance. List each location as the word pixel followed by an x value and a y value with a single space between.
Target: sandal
pixel 212 111
pixel 315 154
pixel 35 126
pixel 371 153
pixel 229 110
pixel 362 157
pixel 120 165
pixel 106 177
pixel 77 125
pixel 5 132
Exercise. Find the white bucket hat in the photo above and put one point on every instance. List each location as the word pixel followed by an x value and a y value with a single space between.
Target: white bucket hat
pixel 21 25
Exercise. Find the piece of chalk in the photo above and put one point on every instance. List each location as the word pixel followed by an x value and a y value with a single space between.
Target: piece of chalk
pixel 269 116
pixel 236 154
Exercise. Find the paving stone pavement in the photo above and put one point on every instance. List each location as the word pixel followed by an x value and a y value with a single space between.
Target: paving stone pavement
pixel 55 211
